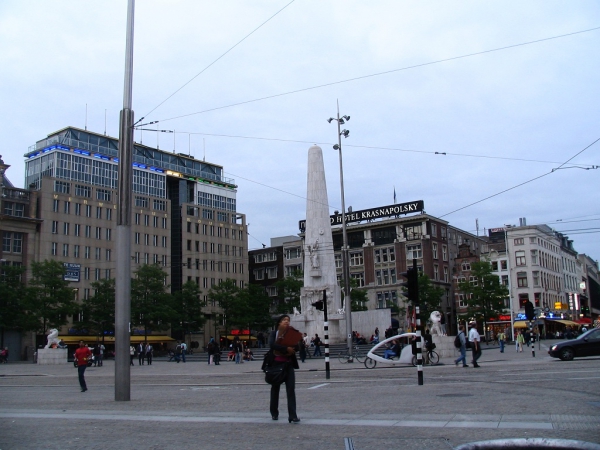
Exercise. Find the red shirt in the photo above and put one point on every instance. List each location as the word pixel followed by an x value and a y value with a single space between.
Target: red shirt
pixel 82 354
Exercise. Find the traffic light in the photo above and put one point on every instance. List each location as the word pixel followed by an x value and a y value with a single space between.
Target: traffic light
pixel 529 313
pixel 411 284
pixel 318 305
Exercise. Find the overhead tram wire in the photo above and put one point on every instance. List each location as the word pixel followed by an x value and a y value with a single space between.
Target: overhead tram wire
pixel 215 61
pixel 362 77
pixel 520 184
pixel 370 147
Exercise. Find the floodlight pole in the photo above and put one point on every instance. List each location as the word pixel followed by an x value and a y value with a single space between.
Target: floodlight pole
pixel 123 233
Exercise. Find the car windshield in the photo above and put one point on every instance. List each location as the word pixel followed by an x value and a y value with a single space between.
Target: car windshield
pixel 594 333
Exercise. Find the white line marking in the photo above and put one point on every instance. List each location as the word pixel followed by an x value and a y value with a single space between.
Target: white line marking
pixel 318 386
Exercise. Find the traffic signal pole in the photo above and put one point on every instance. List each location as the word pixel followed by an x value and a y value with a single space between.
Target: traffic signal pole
pixel 412 293
pixel 321 305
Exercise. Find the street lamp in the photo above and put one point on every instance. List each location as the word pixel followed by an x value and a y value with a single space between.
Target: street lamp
pixel 345 259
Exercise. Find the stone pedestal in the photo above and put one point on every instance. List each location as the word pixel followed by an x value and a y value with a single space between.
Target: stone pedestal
pixel 52 356
pixel 444 346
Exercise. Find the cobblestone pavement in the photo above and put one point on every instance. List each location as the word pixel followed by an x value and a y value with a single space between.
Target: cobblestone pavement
pixel 194 405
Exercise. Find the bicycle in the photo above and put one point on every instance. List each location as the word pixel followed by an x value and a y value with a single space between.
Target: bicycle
pixel 345 356
pixel 432 358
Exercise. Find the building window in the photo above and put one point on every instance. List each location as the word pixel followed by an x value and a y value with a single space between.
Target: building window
pixel 98 212
pixel 522 279
pixel 461 301
pixel 271 291
pixel 436 272
pixel 88 210
pixel 86 273
pixel 434 248
pixel 519 241
pixel 98 233
pixel 356 259
pixel 293 253
pixel 108 254
pixel 83 191
pixel 67 207
pixel 77 229
pixel 103 195
pixel 446 274
pixel 495 266
pixel 259 274
pixel 414 251
pixel 77 209
pixel 98 253
pixel 87 252
pixel 159 205
pixel 65 249
pixel 55 205
pixel 534 257
pixel 359 277
pixel 536 278
pixel 520 258
pixel 433 230
pixel 164 222
pixel 62 187
pixel 505 280
pixel 444 252
pixel 76 251
pixel 146 220
pixel 108 234
pixel 466 266
pixel 54 248
pixel 504 264
pixel 54 226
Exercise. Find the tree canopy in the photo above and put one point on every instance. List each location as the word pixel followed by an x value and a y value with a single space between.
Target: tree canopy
pixel 288 290
pixel 151 306
pixel 187 306
pixel 49 299
pixel 99 309
pixel 484 294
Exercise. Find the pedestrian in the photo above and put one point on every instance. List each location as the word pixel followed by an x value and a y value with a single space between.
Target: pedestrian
pixel 82 355
pixel 183 351
pixel 501 339
pixel 238 348
pixel 141 353
pixel 131 354
pixel 96 353
pixel 260 337
pixel 302 345
pixel 463 347
pixel 317 343
pixel 393 350
pixel 100 356
pixel 428 338
pixel 4 355
pixel 177 354
pixel 211 349
pixel 475 341
pixel 520 341
pixel 149 351
pixel 284 355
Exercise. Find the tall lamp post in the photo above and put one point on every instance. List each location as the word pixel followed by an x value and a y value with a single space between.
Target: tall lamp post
pixel 345 258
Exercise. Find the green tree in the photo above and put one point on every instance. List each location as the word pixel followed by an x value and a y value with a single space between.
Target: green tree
pixel 430 297
pixel 288 290
pixel 358 297
pixel 48 299
pixel 188 309
pixel 226 295
pixel 151 304
pixel 257 304
pixel 484 294
pixel 11 299
pixel 99 309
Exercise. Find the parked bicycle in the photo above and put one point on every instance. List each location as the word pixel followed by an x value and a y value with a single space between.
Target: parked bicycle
pixel 432 358
pixel 345 356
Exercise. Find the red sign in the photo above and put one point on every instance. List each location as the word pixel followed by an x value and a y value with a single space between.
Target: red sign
pixel 502 318
pixel 240 332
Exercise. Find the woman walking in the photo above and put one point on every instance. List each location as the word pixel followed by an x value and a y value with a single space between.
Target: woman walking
pixel 284 355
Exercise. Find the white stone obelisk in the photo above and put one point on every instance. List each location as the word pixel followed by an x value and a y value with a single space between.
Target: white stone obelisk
pixel 319 260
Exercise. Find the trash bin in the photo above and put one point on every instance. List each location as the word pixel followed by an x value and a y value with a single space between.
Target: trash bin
pixel 529 443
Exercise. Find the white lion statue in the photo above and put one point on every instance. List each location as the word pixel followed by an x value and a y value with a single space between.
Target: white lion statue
pixel 296 312
pixel 52 338
pixel 341 311
pixel 436 326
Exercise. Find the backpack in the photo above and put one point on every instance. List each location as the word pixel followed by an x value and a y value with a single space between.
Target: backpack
pixel 457 343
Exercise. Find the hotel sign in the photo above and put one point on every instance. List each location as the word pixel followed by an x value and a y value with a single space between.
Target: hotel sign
pixel 72 272
pixel 374 213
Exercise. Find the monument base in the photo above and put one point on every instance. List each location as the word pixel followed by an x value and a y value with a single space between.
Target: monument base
pixel 364 322
pixel 52 356
pixel 444 346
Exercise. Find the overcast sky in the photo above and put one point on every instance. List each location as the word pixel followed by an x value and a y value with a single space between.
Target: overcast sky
pixel 502 117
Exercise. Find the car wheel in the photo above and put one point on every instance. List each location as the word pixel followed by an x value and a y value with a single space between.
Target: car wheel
pixel 566 354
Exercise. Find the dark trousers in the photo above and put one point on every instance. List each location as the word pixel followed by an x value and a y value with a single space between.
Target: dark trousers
pixel 148 358
pixel 81 371
pixel 131 359
pixel 476 354
pixel 290 390
pixel 141 359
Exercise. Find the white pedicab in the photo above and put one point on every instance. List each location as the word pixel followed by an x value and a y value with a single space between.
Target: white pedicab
pixel 406 356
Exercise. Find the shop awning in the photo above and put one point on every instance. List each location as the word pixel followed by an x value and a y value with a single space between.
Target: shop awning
pixel 152 338
pixel 521 324
pixel 564 322
pixel 231 337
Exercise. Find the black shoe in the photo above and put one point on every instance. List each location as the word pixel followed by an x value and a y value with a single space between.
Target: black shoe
pixel 275 417
pixel 84 389
pixel 465 365
pixel 296 420
pixel 476 365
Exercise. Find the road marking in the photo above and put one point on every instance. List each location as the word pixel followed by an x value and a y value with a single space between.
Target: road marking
pixel 318 386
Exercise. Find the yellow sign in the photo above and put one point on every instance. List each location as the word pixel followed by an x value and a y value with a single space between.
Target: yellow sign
pixel 560 306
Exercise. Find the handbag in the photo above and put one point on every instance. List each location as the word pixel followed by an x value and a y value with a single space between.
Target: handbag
pixel 276 374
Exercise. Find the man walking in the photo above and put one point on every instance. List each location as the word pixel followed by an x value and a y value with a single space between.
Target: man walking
pixel 501 340
pixel 463 347
pixel 317 342
pixel 82 355
pixel 149 354
pixel 183 351
pixel 141 353
pixel 475 341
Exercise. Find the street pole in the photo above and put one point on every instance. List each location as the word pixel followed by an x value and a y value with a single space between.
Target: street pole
pixel 345 252
pixel 123 232
pixel 326 335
